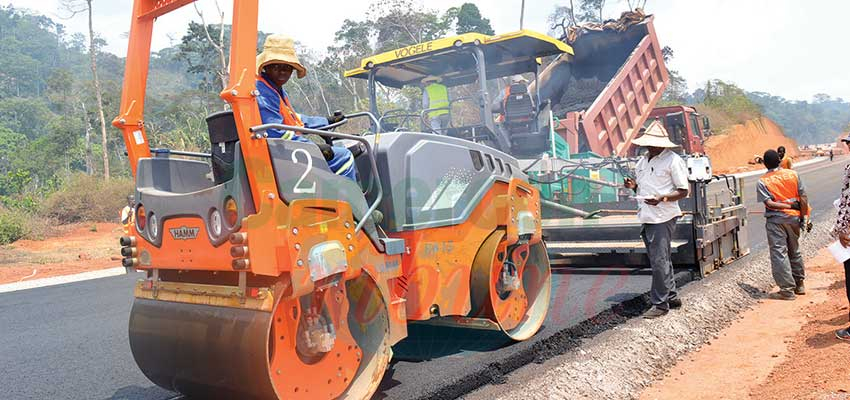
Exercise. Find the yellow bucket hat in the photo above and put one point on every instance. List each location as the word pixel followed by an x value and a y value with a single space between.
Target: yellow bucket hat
pixel 280 49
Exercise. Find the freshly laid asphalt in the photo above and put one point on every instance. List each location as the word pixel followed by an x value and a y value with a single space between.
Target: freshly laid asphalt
pixel 70 341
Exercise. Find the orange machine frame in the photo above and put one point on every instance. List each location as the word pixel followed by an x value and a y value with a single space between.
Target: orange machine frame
pixel 239 93
pixel 414 278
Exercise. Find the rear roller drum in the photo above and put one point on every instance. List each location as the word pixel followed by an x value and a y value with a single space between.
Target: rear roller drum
pixel 511 284
pixel 331 343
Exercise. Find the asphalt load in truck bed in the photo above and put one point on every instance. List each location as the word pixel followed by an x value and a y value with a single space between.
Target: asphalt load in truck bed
pixel 579 95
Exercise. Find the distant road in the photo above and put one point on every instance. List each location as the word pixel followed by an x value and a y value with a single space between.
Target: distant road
pixel 70 341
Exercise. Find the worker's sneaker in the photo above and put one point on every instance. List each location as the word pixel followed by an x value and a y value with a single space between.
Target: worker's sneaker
pixel 675 303
pixel 783 295
pixel 843 334
pixel 655 312
pixel 800 289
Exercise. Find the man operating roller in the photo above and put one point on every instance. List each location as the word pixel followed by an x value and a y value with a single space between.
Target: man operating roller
pixel 661 181
pixel 274 68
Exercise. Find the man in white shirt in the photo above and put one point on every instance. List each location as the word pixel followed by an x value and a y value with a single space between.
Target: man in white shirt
pixel 662 180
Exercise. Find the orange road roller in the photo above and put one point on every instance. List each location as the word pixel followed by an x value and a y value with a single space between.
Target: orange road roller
pixel 270 277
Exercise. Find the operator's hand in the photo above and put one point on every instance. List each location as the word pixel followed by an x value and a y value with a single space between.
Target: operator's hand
pixel 806 224
pixel 796 205
pixel 844 239
pixel 327 151
pixel 629 183
pixel 653 201
pixel 332 119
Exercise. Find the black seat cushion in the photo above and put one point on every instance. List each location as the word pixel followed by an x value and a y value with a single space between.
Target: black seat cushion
pixel 223 137
pixel 519 109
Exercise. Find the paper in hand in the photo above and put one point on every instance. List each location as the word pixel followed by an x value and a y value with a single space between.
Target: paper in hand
pixel 840 252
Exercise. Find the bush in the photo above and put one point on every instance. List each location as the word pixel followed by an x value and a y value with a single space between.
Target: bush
pixel 729 100
pixel 87 198
pixel 13 225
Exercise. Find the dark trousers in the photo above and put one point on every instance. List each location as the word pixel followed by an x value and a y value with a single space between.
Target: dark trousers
pixel 847 279
pixel 786 260
pixel 657 238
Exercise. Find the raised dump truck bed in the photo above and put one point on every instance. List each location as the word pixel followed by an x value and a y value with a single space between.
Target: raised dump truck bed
pixel 605 93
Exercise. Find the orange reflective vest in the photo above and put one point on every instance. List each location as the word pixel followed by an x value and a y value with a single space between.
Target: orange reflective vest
pixel 786 162
pixel 290 117
pixel 783 185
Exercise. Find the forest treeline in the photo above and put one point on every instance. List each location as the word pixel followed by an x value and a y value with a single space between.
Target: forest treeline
pixel 50 128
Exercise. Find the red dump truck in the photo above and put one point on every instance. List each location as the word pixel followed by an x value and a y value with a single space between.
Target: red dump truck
pixel 686 127
pixel 604 94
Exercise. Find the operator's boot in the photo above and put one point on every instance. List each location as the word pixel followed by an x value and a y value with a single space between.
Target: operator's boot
pixel 800 287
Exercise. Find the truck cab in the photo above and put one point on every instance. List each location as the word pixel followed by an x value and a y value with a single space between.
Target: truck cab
pixel 686 126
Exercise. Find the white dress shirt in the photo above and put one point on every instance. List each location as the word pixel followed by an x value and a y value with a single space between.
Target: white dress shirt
pixel 659 176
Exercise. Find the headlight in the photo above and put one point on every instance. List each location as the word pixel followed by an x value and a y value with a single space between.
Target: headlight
pixel 154 227
pixel 215 223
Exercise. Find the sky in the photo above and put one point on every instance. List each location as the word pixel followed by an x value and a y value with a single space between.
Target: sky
pixel 775 46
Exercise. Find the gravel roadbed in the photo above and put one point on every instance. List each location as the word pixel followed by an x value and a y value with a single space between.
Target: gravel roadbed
pixel 620 363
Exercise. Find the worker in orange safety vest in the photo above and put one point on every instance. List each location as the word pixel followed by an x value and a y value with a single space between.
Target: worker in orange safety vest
pixel 786 214
pixel 785 160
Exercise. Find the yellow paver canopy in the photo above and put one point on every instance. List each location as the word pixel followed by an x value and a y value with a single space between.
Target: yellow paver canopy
pixel 451 59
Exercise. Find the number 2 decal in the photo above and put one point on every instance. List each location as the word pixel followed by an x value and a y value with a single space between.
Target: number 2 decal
pixel 298 188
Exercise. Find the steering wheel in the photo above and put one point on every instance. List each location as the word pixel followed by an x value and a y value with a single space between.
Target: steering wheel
pixel 330 127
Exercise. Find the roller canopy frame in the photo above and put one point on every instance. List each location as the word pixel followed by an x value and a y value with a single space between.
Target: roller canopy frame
pixel 239 93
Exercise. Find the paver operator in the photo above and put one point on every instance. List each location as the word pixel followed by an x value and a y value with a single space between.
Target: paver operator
pixel 662 180
pixel 274 68
pixel 786 213
pixel 435 96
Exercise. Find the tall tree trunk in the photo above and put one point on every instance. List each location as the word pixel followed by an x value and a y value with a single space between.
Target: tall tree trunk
pixel 93 56
pixel 89 160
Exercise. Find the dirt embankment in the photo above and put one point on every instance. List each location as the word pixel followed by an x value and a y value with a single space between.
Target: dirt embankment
pixel 71 249
pixel 732 150
pixel 790 349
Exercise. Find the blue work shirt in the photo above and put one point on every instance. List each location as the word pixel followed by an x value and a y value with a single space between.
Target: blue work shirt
pixel 269 102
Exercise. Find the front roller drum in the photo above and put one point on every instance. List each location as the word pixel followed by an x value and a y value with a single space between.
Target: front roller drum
pixel 331 343
pixel 511 285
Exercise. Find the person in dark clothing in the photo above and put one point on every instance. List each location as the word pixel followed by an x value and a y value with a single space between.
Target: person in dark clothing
pixel 841 230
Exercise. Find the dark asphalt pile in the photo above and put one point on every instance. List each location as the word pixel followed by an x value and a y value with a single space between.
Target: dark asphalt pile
pixel 579 95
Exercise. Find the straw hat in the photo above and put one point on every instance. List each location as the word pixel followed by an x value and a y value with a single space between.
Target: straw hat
pixel 655 136
pixel 280 49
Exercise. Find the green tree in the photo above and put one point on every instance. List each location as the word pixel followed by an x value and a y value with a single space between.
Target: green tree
pixel 399 23
pixel 26 115
pixel 201 56
pixel 469 19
